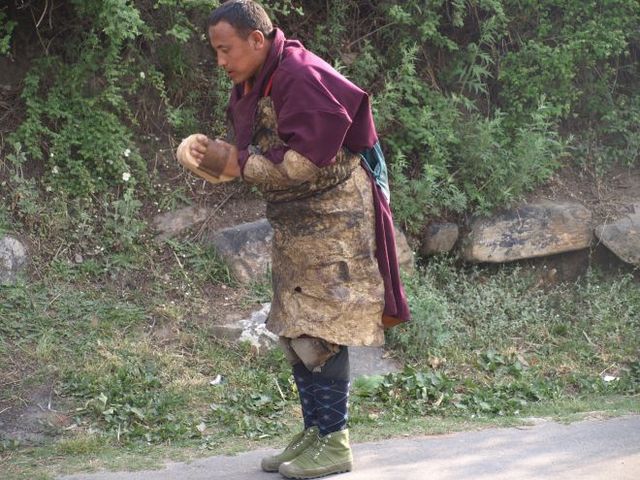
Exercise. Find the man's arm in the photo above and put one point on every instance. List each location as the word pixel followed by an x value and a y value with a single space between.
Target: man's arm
pixel 311 120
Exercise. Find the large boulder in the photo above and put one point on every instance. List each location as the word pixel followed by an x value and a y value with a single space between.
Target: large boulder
pixel 531 231
pixel 246 249
pixel 622 237
pixel 13 258
pixel 406 257
pixel 439 237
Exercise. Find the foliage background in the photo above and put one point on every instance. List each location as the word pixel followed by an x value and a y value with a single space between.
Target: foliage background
pixel 477 101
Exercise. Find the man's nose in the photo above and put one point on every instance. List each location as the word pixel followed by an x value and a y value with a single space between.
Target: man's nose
pixel 222 61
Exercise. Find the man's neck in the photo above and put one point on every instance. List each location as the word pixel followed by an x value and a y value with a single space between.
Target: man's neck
pixel 249 83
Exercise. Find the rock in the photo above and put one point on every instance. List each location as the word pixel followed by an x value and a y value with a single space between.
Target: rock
pixel 609 263
pixel 252 329
pixel 13 257
pixel 371 361
pixel 439 238
pixel 246 249
pixel 406 258
pixel 171 224
pixel 531 231
pixel 622 237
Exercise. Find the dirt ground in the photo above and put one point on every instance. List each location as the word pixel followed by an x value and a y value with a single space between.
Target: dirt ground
pixel 608 197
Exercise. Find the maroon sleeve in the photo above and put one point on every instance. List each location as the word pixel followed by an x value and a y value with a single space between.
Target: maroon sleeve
pixel 311 120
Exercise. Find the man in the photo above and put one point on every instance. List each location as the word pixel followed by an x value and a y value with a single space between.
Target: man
pixel 304 135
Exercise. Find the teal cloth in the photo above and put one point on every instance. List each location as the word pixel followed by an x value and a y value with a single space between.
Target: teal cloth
pixel 374 162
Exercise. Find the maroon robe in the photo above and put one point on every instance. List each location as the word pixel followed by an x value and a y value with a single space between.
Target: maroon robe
pixel 319 111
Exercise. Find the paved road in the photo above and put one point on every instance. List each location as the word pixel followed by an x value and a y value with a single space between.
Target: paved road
pixel 588 450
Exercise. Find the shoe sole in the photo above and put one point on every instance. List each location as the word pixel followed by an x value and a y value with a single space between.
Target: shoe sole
pixel 342 468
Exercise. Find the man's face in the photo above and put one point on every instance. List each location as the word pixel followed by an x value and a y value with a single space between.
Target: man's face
pixel 241 58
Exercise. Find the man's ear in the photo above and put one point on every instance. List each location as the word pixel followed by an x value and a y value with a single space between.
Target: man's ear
pixel 256 39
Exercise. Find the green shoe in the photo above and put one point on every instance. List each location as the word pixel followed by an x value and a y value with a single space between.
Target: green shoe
pixel 328 455
pixel 297 444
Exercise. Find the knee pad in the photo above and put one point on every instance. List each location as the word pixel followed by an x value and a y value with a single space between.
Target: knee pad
pixel 313 352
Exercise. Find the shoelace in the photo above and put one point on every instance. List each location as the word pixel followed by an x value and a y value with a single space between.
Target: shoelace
pixel 302 440
pixel 323 442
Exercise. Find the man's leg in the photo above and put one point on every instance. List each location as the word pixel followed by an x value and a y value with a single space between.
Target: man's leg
pixel 332 393
pixel 331 452
pixel 306 390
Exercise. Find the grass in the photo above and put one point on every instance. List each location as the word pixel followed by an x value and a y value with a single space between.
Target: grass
pixel 122 346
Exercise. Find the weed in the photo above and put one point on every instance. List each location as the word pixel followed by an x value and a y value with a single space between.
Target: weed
pixel 201 263
pixel 521 344
pixel 125 397
pixel 255 403
pixel 80 446
pixel 259 291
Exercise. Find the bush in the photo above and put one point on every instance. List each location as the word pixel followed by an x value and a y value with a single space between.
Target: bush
pixel 125 397
pixel 6 30
pixel 581 58
pixel 83 99
pixel 504 311
pixel 471 97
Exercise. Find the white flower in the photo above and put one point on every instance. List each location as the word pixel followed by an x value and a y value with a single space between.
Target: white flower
pixel 55 170
pixel 126 176
pixel 51 155
pixel 49 188
pixel 142 75
pixel 127 152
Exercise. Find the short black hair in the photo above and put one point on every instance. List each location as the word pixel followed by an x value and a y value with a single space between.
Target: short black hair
pixel 244 16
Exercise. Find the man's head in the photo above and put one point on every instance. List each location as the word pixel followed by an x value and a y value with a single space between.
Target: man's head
pixel 240 32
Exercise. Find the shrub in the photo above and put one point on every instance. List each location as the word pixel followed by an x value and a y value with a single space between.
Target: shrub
pixel 6 30
pixel 471 97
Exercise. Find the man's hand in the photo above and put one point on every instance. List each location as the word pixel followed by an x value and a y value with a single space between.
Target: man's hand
pixel 190 145
pixel 215 158
pixel 197 147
